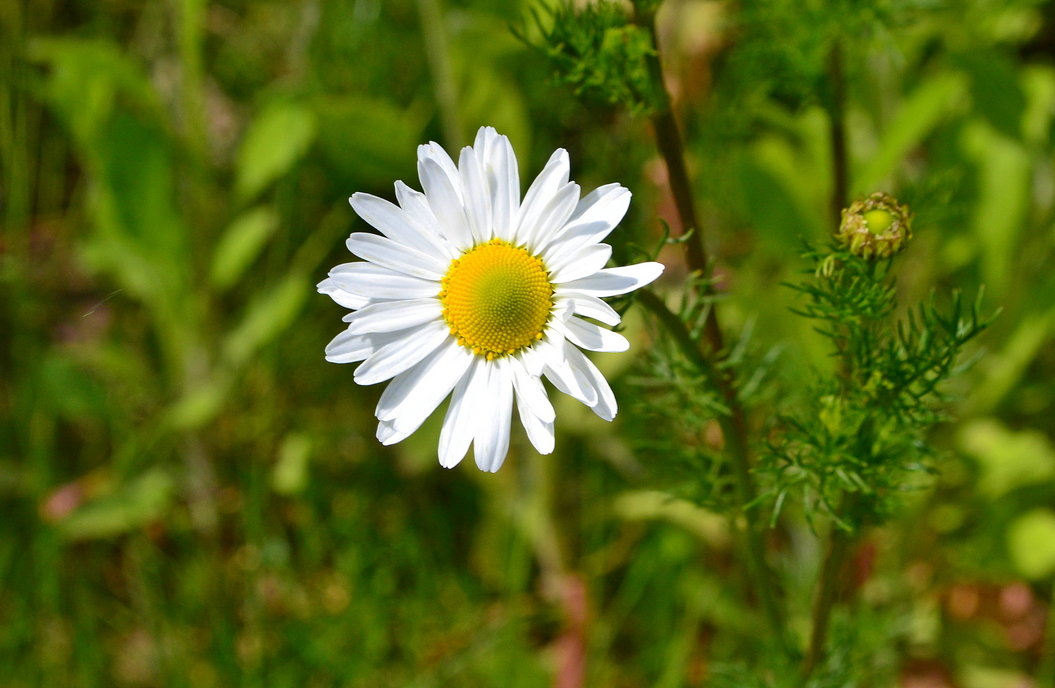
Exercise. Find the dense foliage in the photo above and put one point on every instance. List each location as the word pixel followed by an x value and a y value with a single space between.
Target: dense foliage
pixel 193 497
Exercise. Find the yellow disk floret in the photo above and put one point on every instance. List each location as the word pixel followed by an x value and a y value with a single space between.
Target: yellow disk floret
pixel 496 298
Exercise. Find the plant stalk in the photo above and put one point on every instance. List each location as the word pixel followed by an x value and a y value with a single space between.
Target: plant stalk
pixel 734 426
pixel 735 435
pixel 837 133
pixel 827 593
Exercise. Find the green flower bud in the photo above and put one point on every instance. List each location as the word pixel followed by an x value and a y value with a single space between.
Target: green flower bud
pixel 875 227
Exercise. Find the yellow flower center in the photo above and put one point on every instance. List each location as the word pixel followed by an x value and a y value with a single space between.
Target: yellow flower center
pixel 496 298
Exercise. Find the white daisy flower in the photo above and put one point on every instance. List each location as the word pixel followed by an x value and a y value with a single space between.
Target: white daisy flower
pixel 475 293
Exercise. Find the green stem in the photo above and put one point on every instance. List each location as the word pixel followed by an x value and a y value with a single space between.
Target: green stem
pixel 735 434
pixel 827 593
pixel 734 424
pixel 837 133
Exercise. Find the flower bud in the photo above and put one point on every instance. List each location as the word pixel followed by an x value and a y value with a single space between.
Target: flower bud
pixel 875 227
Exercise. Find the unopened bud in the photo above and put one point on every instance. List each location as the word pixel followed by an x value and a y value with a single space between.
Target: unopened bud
pixel 875 227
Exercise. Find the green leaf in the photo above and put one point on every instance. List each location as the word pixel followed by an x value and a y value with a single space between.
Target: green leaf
pixel 131 506
pixel 1004 174
pixel 290 474
pixel 197 407
pixel 266 318
pixel 368 139
pixel 86 80
pixel 920 113
pixel 1031 542
pixel 275 140
pixel 1007 459
pixel 995 88
pixel 240 244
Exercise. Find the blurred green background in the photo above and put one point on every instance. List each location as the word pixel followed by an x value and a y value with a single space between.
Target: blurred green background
pixel 191 496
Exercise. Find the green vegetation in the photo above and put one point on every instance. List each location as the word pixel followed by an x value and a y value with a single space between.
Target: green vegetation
pixel 827 470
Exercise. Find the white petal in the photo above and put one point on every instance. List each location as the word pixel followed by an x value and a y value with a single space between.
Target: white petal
pixel 434 152
pixel 476 197
pixel 399 355
pixel 330 288
pixel 594 218
pixel 606 204
pixel 390 316
pixel 409 261
pixel 395 223
pixel 499 164
pixel 530 392
pixel 416 207
pixel 552 177
pixel 348 347
pixel 446 203
pixel 592 307
pixel 373 282
pixel 594 337
pixel 565 377
pixel 388 435
pixel 536 230
pixel 491 443
pixel 581 264
pixel 539 432
pixel 459 423
pixel 614 281
pixel 412 396
pixel 571 239
pixel 606 406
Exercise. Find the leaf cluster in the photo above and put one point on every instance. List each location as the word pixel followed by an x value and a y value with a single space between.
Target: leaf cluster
pixel 601 53
pixel 862 431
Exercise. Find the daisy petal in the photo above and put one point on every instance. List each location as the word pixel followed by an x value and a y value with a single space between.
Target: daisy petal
pixel 351 348
pixel 445 202
pixel 539 432
pixel 329 287
pixel 388 435
pixel 552 177
pixel 458 425
pixel 606 406
pixel 581 264
pixel 398 257
pixel 550 218
pixel 593 307
pixel 531 393
pixel 491 442
pixel 434 152
pixel 564 377
pixel 592 337
pixel 499 164
pixel 416 206
pixel 399 355
pixel 375 282
pixel 412 396
pixel 477 199
pixel 607 204
pixel 395 223
pixel 614 281
pixel 390 316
